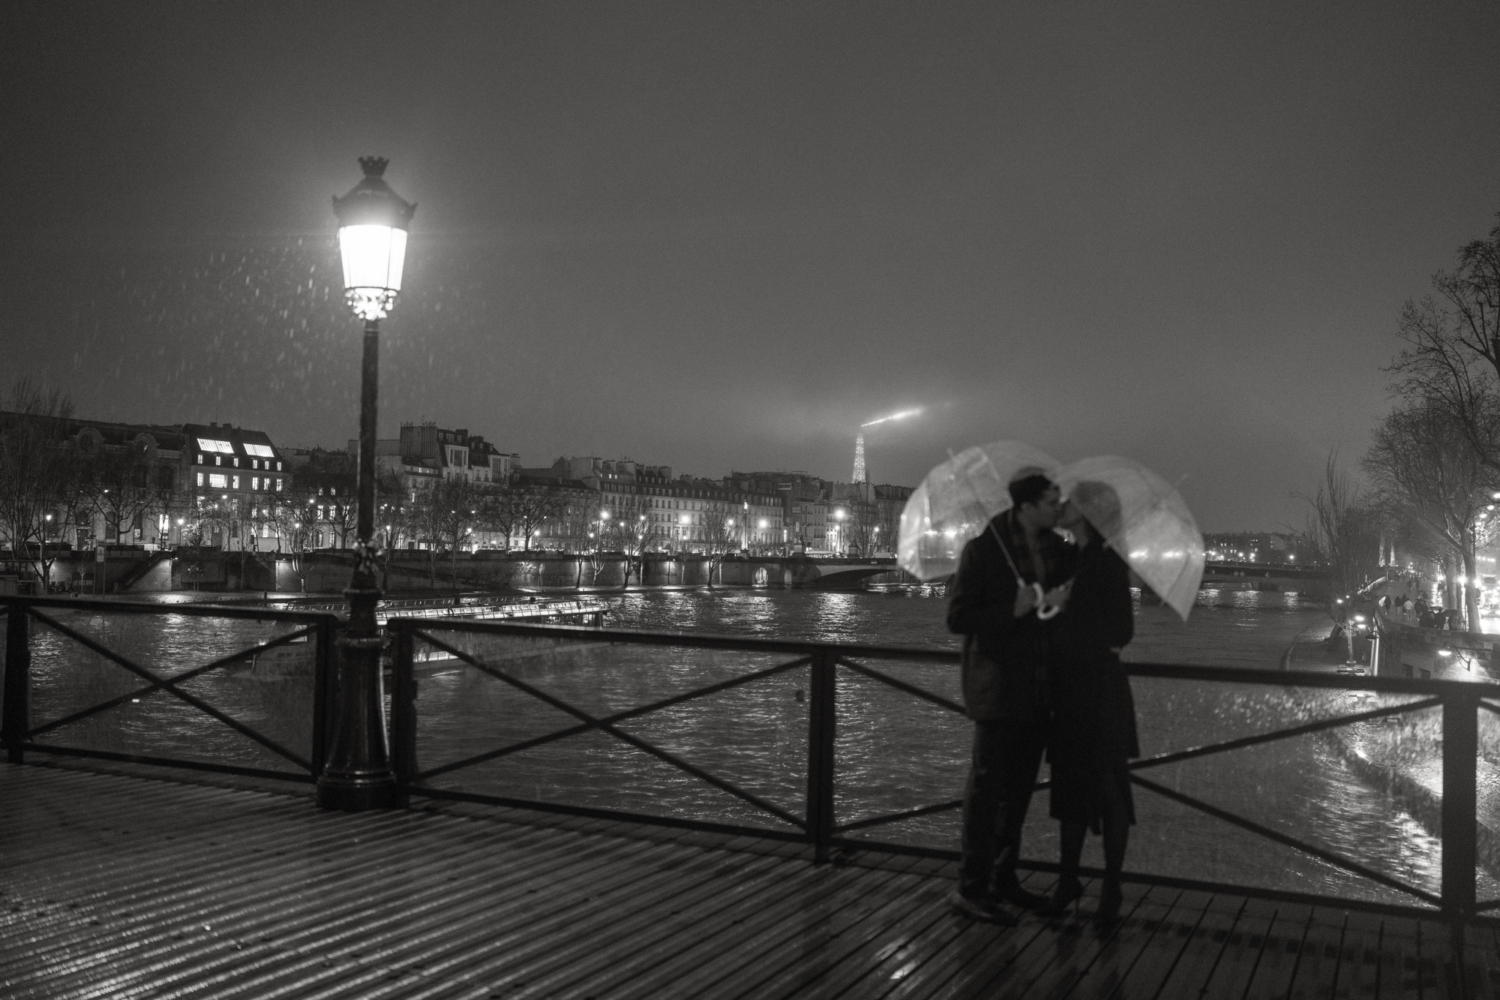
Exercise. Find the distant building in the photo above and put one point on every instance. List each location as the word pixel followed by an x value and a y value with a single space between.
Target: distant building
pixel 237 477
pixel 160 486
pixel 427 450
pixel 1275 548
pixel 680 513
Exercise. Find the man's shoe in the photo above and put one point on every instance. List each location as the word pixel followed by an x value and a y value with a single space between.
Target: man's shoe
pixel 1016 896
pixel 980 908
pixel 1066 893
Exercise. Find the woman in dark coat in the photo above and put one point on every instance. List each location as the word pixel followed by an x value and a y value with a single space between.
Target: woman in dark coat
pixel 1094 730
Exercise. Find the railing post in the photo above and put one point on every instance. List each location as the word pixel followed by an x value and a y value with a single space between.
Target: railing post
pixel 1460 748
pixel 403 712
pixel 821 717
pixel 323 675
pixel 15 715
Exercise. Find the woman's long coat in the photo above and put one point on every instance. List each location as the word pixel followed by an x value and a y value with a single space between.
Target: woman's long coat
pixel 1094 729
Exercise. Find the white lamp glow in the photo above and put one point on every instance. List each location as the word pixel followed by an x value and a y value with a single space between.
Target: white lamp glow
pixel 372 241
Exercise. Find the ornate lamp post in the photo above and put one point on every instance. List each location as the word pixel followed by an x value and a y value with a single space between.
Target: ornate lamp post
pixel 373 222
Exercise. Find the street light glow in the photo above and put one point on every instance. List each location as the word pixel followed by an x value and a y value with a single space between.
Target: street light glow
pixel 372 241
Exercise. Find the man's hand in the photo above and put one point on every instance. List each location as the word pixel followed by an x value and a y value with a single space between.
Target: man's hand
pixel 1026 600
pixel 1058 596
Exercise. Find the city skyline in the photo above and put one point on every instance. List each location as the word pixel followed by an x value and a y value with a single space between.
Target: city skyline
pixel 683 232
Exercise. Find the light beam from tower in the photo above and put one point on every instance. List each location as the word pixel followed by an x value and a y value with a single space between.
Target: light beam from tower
pixel 860 475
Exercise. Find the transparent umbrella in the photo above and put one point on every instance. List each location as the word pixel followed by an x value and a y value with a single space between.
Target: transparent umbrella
pixel 956 500
pixel 1142 518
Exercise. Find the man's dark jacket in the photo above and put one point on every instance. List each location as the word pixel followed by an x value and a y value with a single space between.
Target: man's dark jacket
pixel 1006 660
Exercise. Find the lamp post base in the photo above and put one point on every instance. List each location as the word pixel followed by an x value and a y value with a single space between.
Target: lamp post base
pixel 356 793
pixel 358 774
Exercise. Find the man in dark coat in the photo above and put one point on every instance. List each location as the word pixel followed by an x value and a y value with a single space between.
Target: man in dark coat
pixel 1017 567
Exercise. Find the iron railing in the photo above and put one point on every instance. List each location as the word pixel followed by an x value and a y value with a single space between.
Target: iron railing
pixel 1460 703
pixel 817 823
pixel 19 732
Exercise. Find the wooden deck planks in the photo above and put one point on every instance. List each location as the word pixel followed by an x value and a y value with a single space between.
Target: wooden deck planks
pixel 606 938
pixel 522 930
pixel 957 942
pixel 120 887
pixel 732 956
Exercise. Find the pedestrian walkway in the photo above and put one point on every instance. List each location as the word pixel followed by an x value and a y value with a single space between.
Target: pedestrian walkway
pixel 130 887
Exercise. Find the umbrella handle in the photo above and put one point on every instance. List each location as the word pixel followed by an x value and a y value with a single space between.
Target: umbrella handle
pixel 1044 610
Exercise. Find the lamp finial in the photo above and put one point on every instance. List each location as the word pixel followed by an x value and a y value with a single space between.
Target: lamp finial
pixel 373 166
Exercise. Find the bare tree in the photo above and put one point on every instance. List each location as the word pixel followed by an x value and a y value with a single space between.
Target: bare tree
pixel 293 511
pixel 123 484
pixel 1451 356
pixel 634 531
pixel 497 514
pixel 452 513
pixel 721 536
pixel 1343 532
pixel 863 526
pixel 37 466
pixel 1424 465
pixel 532 506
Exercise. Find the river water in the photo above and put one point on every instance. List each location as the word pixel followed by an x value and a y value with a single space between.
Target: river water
pixel 894 752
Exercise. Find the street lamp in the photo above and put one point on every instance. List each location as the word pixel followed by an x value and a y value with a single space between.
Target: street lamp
pixel 373 222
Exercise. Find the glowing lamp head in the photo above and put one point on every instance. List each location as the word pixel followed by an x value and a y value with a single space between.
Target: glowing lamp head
pixel 373 221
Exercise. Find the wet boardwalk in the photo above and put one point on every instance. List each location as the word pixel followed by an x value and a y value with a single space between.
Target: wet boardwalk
pixel 120 887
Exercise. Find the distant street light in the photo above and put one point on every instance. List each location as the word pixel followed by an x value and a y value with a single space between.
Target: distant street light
pixel 373 222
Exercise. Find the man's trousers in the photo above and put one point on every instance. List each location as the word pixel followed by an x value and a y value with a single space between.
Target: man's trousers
pixel 1007 756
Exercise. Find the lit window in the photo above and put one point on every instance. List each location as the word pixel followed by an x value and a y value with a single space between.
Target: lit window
pixel 235 484
pixel 259 450
pixel 278 482
pixel 210 444
pixel 217 481
pixel 255 482
pixel 236 463
pixel 278 469
pixel 200 479
pixel 200 458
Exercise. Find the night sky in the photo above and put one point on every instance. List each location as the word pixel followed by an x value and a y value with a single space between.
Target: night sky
pixel 720 236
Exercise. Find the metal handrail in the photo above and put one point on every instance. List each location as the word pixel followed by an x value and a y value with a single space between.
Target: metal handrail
pixel 1460 701
pixel 600 724
pixel 18 735
pixel 194 609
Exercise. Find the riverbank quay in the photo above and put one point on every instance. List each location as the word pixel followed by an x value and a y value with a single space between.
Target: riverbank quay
pixel 1404 757
pixel 120 886
pixel 1406 649
pixel 137 570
